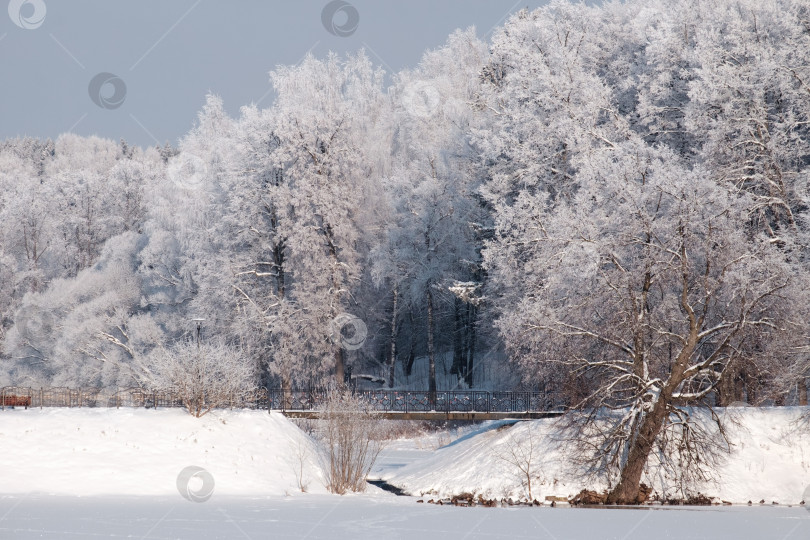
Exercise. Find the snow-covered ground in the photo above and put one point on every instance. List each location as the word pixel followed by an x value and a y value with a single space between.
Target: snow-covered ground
pixel 376 517
pixel 770 461
pixel 141 452
pixel 106 473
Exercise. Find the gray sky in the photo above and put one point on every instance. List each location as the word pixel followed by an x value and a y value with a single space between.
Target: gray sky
pixel 170 53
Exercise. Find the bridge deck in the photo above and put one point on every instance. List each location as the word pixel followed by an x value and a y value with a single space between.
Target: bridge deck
pixel 442 415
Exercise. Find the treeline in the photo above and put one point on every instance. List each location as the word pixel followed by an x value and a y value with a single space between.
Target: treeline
pixel 607 202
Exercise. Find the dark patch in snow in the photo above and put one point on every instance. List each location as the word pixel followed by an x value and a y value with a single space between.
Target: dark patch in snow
pixel 382 484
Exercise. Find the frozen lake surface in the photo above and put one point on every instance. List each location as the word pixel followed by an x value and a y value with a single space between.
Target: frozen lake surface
pixel 376 516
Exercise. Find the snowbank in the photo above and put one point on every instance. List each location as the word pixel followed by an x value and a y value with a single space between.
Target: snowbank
pixel 770 460
pixel 141 452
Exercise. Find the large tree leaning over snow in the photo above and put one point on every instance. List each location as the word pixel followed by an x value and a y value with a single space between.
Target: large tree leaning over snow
pixel 648 286
pixel 634 267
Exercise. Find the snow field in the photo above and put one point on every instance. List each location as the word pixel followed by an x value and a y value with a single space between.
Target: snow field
pixel 770 461
pixel 141 452
pixel 376 517
pixel 107 473
pixel 89 452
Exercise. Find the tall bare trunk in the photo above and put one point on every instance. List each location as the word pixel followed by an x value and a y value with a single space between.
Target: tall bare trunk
pixel 470 346
pixel 802 391
pixel 286 390
pixel 392 366
pixel 459 337
pixel 340 367
pixel 409 363
pixel 431 351
pixel 340 358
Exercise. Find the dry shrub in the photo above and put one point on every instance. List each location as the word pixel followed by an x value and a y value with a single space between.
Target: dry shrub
pixel 352 436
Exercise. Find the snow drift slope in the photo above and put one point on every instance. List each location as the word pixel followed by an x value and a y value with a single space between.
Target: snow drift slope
pixel 770 460
pixel 141 452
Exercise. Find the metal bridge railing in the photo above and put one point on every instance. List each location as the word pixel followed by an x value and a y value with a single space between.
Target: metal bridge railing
pixel 405 401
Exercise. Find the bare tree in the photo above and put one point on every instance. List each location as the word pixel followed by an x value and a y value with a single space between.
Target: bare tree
pixel 521 452
pixel 204 376
pixel 352 437
pixel 299 460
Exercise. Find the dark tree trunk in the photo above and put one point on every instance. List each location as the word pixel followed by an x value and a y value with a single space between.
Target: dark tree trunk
pixel 468 376
pixel 431 350
pixel 458 340
pixel 627 490
pixel 802 391
pixel 340 367
pixel 278 257
pixel 738 387
pixel 286 391
pixel 409 363
pixel 726 389
pixel 392 366
pixel 751 385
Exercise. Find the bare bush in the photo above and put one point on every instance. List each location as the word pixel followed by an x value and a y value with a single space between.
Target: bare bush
pixel 352 436
pixel 521 453
pixel 204 376
pixel 301 456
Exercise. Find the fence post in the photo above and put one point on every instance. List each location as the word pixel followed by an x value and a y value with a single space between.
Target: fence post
pixel 117 398
pixel 4 398
pixel 41 397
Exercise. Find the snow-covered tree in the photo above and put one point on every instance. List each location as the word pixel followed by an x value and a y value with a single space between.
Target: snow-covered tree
pixel 430 242
pixel 321 195
pixel 630 266
pixel 203 376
